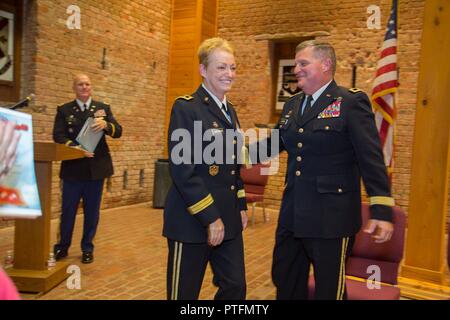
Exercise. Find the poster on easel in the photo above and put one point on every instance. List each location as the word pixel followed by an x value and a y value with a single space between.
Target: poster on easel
pixel 19 196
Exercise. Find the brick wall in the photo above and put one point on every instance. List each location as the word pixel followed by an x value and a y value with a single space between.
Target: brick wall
pixel 243 23
pixel 136 37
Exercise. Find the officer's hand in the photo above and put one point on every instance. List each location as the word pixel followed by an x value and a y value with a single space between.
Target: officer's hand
pixel 216 232
pixel 244 218
pixel 383 230
pixel 99 125
pixel 87 154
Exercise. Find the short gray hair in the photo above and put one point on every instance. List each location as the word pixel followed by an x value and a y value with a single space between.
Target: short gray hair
pixel 321 49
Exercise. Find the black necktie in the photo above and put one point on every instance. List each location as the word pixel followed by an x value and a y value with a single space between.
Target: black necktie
pixel 84 107
pixel 307 105
pixel 227 112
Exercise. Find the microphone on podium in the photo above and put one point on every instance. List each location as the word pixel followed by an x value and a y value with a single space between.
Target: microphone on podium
pixel 23 103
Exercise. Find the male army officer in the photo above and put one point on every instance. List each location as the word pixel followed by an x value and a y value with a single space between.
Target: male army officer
pixel 83 178
pixel 332 141
pixel 205 209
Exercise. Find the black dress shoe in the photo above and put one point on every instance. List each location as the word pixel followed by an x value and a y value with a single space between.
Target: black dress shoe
pixel 60 253
pixel 88 257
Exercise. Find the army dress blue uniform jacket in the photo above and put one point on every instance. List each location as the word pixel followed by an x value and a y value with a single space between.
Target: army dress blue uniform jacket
pixel 68 122
pixel 201 193
pixel 330 148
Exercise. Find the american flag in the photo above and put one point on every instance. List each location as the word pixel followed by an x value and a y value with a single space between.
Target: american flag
pixel 384 89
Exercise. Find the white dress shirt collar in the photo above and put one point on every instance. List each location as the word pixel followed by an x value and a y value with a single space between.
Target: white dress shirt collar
pixel 81 103
pixel 317 94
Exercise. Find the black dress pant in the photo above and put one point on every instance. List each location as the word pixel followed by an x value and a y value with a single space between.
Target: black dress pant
pixel 187 264
pixel 91 193
pixel 293 257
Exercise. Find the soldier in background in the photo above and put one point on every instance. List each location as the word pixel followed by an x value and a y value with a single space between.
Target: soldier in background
pixel 83 178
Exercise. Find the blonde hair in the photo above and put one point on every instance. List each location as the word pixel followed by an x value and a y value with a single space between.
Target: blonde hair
pixel 321 50
pixel 207 47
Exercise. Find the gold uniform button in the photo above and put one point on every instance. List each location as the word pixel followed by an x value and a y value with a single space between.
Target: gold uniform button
pixel 232 188
pixel 327 127
pixel 340 190
pixel 299 158
pixel 299 144
pixel 300 130
pixel 234 141
pixel 298 173
pixel 233 172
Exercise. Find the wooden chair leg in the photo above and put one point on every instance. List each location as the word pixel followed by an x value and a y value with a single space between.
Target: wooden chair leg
pixel 253 213
pixel 266 215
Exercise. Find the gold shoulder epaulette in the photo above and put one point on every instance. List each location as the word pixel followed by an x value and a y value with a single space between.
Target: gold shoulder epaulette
pixel 354 90
pixel 295 94
pixel 185 97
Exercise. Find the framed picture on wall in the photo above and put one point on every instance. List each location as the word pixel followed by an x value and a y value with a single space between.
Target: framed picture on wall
pixel 286 84
pixel 6 46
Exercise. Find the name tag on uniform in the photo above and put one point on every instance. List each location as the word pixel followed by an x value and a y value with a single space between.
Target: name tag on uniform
pixel 284 121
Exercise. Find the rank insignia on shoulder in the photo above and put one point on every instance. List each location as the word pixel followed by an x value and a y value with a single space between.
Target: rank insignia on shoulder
pixel 213 170
pixel 354 90
pixel 185 97
pixel 294 95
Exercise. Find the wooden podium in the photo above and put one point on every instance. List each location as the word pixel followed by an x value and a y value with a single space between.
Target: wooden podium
pixel 32 236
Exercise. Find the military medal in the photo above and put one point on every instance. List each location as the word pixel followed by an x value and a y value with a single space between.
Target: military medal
pixel 332 111
pixel 213 170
